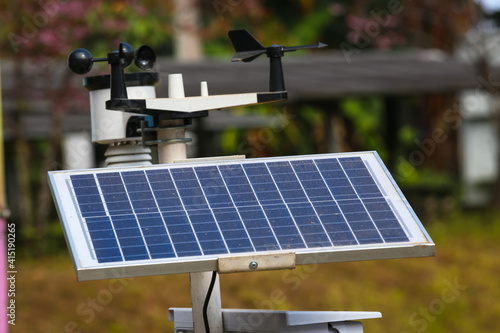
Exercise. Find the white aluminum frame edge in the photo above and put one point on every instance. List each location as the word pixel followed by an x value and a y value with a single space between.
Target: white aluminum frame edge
pixel 62 217
pixel 148 268
pixel 396 187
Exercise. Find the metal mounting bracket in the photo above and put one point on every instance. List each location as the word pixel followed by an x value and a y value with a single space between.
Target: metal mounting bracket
pixel 260 262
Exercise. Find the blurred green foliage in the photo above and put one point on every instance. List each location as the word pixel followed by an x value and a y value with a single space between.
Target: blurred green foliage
pixel 367 116
pixel 113 22
pixel 288 132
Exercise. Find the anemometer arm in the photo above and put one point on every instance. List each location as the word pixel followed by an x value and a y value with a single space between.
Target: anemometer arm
pixel 193 104
pixel 80 61
pixel 247 49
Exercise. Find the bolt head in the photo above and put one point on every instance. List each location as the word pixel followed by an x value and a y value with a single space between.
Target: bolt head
pixel 253 265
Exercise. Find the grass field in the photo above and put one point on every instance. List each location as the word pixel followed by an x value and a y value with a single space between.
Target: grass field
pixel 456 291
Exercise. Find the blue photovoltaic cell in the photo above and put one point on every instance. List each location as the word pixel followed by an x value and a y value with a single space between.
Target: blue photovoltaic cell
pixel 234 208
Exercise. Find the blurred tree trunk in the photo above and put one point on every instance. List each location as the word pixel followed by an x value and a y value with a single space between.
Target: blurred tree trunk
pixel 22 151
pixel 60 100
pixel 33 195
pixel 187 43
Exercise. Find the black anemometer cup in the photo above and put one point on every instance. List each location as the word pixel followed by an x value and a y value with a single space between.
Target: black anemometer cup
pixel 80 61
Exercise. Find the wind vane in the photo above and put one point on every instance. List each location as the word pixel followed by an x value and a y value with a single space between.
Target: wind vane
pixel 248 48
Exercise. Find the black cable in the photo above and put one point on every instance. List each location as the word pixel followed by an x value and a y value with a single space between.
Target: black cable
pixel 207 300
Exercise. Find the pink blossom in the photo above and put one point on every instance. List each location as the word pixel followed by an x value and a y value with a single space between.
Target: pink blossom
pixel 356 22
pixel 336 9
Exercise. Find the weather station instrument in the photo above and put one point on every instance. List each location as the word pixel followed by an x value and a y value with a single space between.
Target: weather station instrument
pixel 215 216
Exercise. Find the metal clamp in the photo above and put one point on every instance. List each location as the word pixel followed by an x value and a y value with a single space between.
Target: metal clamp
pixel 145 130
pixel 256 262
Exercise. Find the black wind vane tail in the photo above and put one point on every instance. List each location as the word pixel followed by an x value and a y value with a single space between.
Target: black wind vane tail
pixel 248 48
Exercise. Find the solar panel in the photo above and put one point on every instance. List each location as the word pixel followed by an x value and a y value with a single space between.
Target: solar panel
pixel 177 218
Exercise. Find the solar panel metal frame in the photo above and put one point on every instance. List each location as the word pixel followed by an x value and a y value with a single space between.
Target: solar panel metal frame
pixel 88 268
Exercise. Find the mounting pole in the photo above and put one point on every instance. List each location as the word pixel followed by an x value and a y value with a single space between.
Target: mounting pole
pixel 168 152
pixel 117 84
pixel 276 80
pixel 172 129
pixel 199 286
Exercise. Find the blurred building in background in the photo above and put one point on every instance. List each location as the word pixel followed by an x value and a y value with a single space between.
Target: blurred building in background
pixel 479 133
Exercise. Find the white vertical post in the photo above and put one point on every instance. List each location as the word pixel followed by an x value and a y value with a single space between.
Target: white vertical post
pixel 167 153
pixel 199 286
pixel 173 129
pixel 204 88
